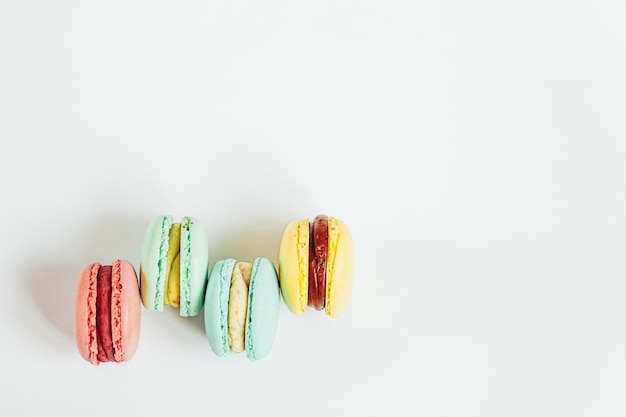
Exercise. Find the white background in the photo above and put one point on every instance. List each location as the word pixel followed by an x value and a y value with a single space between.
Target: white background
pixel 476 150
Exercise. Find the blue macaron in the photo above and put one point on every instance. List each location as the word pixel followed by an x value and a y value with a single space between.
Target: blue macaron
pixel 241 307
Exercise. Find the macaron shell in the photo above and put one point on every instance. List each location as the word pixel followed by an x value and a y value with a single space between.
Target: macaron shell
pixel 216 306
pixel 263 309
pixel 194 266
pixel 293 265
pixel 85 313
pixel 340 264
pixel 153 263
pixel 126 310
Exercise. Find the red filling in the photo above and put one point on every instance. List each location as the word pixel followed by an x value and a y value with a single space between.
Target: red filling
pixel 103 315
pixel 318 248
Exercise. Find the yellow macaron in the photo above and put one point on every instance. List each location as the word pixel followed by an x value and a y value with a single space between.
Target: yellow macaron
pixel 316 265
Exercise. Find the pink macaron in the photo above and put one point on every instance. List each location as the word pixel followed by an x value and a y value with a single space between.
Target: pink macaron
pixel 107 312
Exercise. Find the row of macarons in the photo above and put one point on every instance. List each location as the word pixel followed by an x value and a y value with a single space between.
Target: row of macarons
pixel 240 300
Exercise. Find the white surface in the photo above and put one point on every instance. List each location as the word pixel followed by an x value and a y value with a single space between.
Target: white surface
pixel 475 149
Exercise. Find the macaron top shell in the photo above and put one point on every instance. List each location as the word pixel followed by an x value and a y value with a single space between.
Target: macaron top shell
pixel 216 306
pixel 126 332
pixel 293 265
pixel 194 266
pixel 340 267
pixel 85 313
pixel 263 309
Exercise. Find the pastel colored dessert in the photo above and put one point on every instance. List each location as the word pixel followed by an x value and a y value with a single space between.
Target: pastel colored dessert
pixel 174 265
pixel 107 312
pixel 241 307
pixel 316 265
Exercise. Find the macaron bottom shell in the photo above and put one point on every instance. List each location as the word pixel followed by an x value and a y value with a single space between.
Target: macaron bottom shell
pixel 340 267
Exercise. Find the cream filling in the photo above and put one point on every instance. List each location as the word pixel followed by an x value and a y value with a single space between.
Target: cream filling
pixel 172 275
pixel 333 238
pixel 238 306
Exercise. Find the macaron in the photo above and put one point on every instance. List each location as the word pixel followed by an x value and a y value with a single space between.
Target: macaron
pixel 316 265
pixel 174 265
pixel 241 307
pixel 107 312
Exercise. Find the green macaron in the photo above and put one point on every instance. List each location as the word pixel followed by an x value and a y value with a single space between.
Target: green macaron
pixel 174 265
